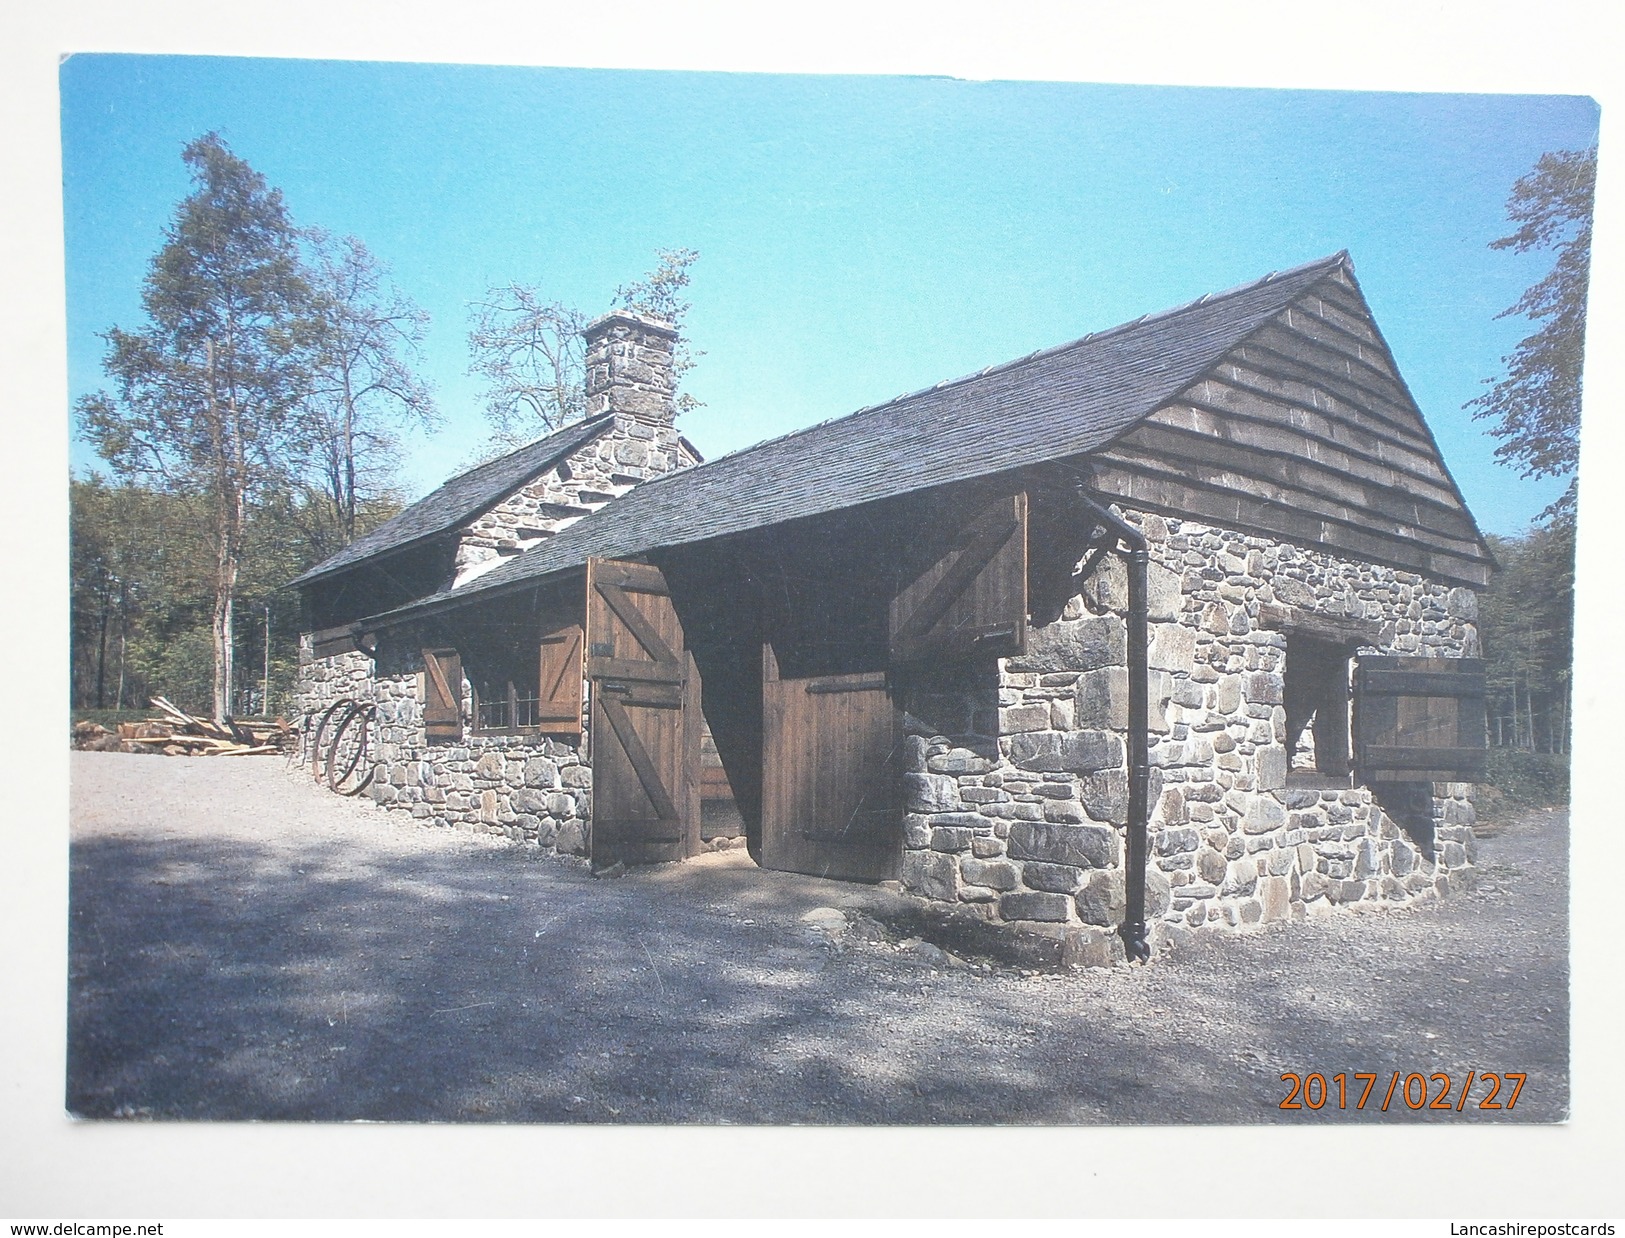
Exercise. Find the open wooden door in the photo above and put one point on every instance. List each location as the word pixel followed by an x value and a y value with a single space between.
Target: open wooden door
pixel 645 719
pixel 830 791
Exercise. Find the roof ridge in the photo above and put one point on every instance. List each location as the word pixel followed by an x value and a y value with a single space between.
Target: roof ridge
pixel 1340 258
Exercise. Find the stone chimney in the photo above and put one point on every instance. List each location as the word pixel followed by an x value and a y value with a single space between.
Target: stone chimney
pixel 629 368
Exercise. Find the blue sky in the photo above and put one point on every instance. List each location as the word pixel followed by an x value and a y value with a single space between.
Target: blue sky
pixel 859 236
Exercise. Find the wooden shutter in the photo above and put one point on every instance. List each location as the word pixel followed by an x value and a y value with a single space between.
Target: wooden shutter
pixel 559 709
pixel 1419 719
pixel 973 597
pixel 442 695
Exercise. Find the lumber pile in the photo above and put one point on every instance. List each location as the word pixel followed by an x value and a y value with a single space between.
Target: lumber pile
pixel 177 733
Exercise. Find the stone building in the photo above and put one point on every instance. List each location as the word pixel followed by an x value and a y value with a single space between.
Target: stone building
pixel 1174 624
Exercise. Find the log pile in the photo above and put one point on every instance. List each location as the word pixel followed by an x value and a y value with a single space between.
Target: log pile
pixel 178 733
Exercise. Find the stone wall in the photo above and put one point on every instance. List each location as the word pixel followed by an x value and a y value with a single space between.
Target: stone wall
pixel 534 789
pixel 1017 777
pixel 631 451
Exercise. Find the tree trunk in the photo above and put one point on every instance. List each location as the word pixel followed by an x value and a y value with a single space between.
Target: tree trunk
pixel 225 588
pixel 101 649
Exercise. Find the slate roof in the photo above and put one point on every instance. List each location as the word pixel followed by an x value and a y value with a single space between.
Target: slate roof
pixel 1059 402
pixel 463 497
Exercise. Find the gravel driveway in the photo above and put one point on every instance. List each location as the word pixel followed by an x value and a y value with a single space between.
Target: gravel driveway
pixel 246 946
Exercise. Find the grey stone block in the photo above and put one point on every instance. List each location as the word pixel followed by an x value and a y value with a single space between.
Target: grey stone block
pixel 1060 751
pixel 1264 815
pixel 1025 905
pixel 1177 840
pixel 995 874
pixel 1076 645
pixel 1020 718
pixel 1083 846
pixel 931 875
pixel 931 792
pixel 1069 812
pixel 1054 878
pixel 1272 764
pixel 1105 795
pixel 1173 648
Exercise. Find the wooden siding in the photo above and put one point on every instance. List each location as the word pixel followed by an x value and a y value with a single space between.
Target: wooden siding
pixel 1305 432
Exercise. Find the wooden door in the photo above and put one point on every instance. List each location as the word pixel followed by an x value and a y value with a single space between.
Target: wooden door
pixel 1419 719
pixel 830 790
pixel 645 710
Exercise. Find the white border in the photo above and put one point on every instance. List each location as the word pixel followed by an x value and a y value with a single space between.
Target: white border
pixel 48 1166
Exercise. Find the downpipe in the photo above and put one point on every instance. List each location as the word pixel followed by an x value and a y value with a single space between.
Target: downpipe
pixel 1132 546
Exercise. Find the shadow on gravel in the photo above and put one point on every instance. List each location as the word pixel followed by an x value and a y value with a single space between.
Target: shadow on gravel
pixel 216 979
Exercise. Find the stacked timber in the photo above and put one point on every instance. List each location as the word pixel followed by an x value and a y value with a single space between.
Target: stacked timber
pixel 178 733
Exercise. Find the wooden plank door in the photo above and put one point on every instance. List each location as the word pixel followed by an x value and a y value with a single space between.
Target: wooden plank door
pixel 830 790
pixel 645 711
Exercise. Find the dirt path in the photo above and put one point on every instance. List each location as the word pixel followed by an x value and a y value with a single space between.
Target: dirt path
pixel 245 946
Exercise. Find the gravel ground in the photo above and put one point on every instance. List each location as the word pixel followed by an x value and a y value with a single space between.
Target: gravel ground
pixel 244 946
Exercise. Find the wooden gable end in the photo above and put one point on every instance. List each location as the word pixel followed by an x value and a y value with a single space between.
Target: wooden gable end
pixel 1306 432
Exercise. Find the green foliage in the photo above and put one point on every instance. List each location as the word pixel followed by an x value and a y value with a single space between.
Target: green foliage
pixel 250 421
pixel 1535 407
pixel 205 392
pixel 141 584
pixel 530 353
pixel 1526 624
pixel 1522 780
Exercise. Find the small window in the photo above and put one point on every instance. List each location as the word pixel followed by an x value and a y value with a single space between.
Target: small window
pixel 526 686
pixel 507 693
pixel 1317 709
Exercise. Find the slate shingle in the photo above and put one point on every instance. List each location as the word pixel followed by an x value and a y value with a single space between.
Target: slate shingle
pixel 1060 402
pixel 463 497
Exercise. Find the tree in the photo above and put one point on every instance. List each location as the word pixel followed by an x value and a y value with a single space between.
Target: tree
pixel 1526 619
pixel 364 335
pixel 1536 405
pixel 205 393
pixel 660 295
pixel 530 353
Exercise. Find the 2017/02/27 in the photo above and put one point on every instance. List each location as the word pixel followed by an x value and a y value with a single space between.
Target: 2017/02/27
pixel 1313 1091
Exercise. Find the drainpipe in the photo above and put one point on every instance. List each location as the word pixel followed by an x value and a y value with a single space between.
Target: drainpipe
pixel 1136 939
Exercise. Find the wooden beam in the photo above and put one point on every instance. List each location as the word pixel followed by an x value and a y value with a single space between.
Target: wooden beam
pixel 1369 359
pixel 1368 346
pixel 1339 629
pixel 1348 424
pixel 1255 421
pixel 1378 386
